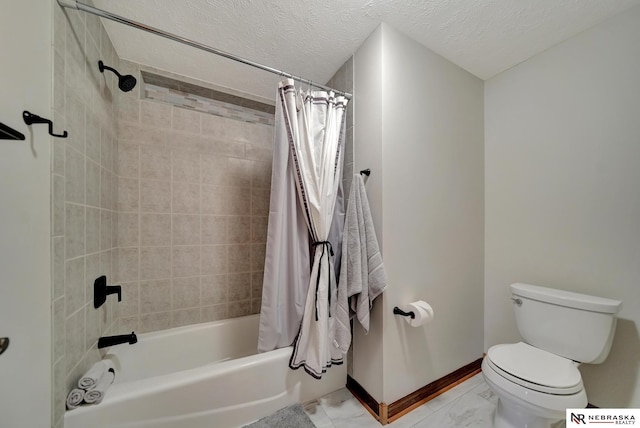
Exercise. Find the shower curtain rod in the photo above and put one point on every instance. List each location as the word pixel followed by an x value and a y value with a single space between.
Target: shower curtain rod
pixel 73 4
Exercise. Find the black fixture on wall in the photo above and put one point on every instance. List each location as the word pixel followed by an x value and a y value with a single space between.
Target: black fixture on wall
pixel 101 290
pixel 30 119
pixel 8 133
pixel 125 83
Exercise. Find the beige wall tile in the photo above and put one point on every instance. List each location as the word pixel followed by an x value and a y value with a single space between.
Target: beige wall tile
pixel 214 289
pixel 261 174
pixel 155 229
pixel 155 161
pixel 239 258
pixel 74 285
pixel 128 194
pixel 185 317
pixel 186 261
pixel 185 166
pixel 92 190
pixel 129 306
pixel 155 262
pixel 260 199
pixel 259 227
pixel 239 309
pixel 214 259
pixel 214 169
pixel 74 175
pixel 155 322
pixel 128 158
pixel 185 229
pixel 186 198
pixel 214 313
pixel 128 263
pixel 155 114
pixel 74 339
pixel 155 296
pixel 57 214
pixel 155 196
pixel 214 229
pixel 258 252
pixel 213 200
pixel 106 230
pixel 92 235
pixel 186 120
pixel 92 136
pixel 239 286
pixel 238 229
pixel 74 230
pixel 128 230
pixel 185 292
pixel 237 201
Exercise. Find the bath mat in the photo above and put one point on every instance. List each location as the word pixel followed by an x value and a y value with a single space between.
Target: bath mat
pixel 289 417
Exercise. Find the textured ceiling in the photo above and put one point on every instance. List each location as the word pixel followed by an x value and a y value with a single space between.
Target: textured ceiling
pixel 314 38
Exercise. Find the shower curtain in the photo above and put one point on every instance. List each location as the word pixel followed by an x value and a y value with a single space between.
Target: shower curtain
pixel 299 292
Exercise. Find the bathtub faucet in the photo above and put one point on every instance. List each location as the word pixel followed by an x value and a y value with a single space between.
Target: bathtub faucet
pixel 107 341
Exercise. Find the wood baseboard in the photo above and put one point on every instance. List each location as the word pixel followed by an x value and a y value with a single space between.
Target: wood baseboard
pixel 388 413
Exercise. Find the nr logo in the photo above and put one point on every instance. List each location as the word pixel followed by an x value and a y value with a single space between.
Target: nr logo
pixel 577 418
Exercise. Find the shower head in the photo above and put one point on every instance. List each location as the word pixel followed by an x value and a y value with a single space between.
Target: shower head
pixel 125 83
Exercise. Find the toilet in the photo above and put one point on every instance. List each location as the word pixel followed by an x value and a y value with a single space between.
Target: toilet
pixel 537 379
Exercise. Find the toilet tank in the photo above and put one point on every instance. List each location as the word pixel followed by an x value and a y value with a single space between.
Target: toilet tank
pixel 576 326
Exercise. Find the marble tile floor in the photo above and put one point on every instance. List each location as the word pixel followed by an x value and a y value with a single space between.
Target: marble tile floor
pixel 470 404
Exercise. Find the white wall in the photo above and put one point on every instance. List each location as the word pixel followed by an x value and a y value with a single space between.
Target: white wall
pixel 25 286
pixel 419 127
pixel 367 148
pixel 562 138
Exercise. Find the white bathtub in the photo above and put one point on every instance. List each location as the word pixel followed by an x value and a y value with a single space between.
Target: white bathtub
pixel 200 376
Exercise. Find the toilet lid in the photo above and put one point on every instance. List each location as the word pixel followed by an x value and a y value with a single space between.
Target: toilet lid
pixel 535 366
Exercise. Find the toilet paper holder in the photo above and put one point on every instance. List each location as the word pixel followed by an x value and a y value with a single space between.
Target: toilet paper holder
pixel 398 311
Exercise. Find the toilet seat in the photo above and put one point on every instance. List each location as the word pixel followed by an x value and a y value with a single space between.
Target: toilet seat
pixel 535 369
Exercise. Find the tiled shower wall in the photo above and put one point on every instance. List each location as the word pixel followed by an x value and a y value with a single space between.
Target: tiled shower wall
pixel 193 203
pixel 169 202
pixel 83 195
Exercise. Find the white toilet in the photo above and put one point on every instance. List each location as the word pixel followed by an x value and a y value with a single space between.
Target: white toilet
pixel 538 379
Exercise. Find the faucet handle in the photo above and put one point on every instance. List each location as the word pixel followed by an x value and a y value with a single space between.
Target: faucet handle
pixel 101 290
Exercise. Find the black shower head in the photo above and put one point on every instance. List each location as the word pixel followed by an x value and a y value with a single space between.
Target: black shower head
pixel 125 83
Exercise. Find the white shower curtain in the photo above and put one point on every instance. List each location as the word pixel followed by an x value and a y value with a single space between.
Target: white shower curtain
pixel 309 143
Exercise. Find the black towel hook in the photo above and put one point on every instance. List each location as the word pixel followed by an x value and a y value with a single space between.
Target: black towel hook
pixel 366 172
pixel 30 119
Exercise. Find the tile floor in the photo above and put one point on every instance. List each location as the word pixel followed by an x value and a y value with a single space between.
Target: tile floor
pixel 470 404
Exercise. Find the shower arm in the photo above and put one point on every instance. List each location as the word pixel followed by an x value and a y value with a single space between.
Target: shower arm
pixel 74 4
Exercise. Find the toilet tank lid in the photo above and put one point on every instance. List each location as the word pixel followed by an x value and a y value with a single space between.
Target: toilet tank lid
pixel 567 298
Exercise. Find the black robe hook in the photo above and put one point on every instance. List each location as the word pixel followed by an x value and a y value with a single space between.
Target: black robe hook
pixel 30 119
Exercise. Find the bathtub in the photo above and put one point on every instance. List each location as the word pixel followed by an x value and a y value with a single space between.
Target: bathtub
pixel 200 376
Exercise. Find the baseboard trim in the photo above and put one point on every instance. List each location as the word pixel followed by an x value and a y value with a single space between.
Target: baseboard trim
pixel 388 413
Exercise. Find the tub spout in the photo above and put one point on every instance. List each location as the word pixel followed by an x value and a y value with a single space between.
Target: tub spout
pixel 107 341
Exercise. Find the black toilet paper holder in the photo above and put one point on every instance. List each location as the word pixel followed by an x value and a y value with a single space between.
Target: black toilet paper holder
pixel 398 311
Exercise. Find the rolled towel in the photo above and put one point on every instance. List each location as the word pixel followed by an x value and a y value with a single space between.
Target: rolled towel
pixel 94 374
pixel 74 399
pixel 96 394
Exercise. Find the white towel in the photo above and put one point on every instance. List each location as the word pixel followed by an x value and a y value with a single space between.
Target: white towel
pixel 74 399
pixel 94 374
pixel 362 274
pixel 96 394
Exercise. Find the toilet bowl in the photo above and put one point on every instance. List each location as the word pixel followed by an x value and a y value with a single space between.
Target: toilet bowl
pixel 552 385
pixel 537 380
